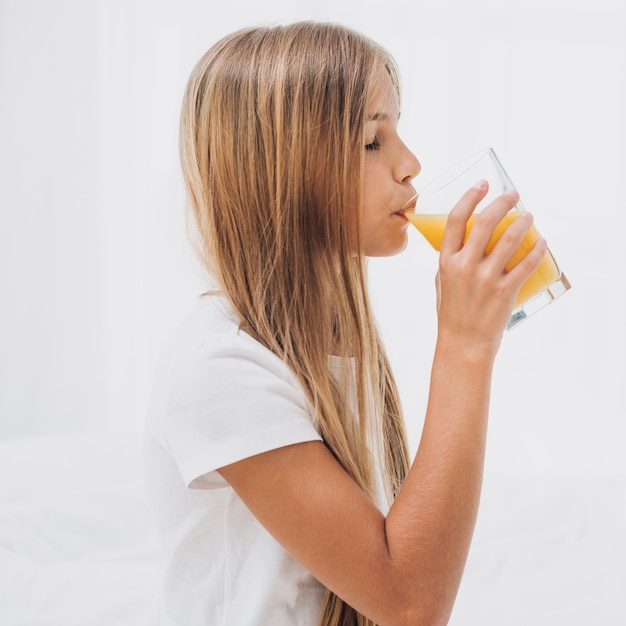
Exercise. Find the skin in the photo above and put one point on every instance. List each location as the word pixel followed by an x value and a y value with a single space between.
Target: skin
pixel 405 568
pixel 389 168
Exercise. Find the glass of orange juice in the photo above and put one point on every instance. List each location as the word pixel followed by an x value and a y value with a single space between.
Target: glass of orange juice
pixel 437 198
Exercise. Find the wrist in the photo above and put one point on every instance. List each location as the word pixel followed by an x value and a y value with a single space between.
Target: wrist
pixel 467 348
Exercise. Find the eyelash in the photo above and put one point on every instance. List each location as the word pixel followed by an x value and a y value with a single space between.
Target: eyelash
pixel 375 145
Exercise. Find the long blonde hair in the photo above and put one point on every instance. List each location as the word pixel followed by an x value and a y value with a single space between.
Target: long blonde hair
pixel 272 154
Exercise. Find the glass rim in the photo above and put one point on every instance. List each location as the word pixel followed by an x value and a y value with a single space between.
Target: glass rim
pixel 454 172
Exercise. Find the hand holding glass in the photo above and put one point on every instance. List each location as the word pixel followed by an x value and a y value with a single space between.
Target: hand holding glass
pixel 435 201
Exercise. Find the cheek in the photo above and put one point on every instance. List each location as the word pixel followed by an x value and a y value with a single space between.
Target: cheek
pixel 381 233
pixel 370 223
pixel 374 193
pixel 373 235
pixel 371 202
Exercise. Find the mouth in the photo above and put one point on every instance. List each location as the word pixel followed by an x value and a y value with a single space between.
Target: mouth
pixel 409 207
pixel 401 214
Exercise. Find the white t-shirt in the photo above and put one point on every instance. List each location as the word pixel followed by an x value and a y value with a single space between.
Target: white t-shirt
pixel 219 397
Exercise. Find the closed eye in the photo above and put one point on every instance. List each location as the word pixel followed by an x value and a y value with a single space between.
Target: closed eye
pixel 374 145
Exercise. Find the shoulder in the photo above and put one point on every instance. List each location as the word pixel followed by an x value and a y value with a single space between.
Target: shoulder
pixel 219 395
pixel 210 348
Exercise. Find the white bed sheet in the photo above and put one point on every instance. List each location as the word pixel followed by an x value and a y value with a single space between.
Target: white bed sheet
pixel 78 545
pixel 77 541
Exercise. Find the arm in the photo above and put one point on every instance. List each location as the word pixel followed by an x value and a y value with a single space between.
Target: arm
pixel 406 568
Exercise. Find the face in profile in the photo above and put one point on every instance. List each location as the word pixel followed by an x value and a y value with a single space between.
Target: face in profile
pixel 389 168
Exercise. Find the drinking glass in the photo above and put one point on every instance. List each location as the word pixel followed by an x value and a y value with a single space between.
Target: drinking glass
pixel 436 199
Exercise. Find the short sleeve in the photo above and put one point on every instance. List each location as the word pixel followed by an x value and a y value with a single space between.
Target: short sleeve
pixel 228 399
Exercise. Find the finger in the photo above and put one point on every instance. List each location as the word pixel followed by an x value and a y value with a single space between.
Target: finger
pixel 522 271
pixel 454 235
pixel 507 251
pixel 481 237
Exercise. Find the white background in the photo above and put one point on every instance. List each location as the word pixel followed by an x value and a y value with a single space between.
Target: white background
pixel 94 265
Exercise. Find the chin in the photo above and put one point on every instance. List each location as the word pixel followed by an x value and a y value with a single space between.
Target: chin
pixel 390 249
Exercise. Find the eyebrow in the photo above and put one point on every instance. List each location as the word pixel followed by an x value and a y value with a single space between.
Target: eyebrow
pixel 379 116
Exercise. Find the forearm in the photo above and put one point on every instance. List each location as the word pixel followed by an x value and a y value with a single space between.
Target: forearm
pixel 430 525
pixel 403 569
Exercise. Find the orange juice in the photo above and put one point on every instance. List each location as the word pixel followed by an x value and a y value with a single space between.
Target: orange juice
pixel 432 227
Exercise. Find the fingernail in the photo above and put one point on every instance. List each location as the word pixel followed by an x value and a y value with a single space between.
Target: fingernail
pixel 513 193
pixel 480 184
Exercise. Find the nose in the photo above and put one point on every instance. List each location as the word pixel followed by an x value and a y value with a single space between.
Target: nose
pixel 409 166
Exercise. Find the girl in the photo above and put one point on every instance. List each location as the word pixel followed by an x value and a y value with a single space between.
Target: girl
pixel 276 454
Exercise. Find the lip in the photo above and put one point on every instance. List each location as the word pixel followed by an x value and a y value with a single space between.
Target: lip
pixel 409 205
pixel 401 215
pixel 406 208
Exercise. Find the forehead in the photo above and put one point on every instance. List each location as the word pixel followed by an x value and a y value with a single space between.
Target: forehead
pixel 382 100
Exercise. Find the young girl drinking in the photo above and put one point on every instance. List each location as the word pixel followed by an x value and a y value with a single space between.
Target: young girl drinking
pixel 276 454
